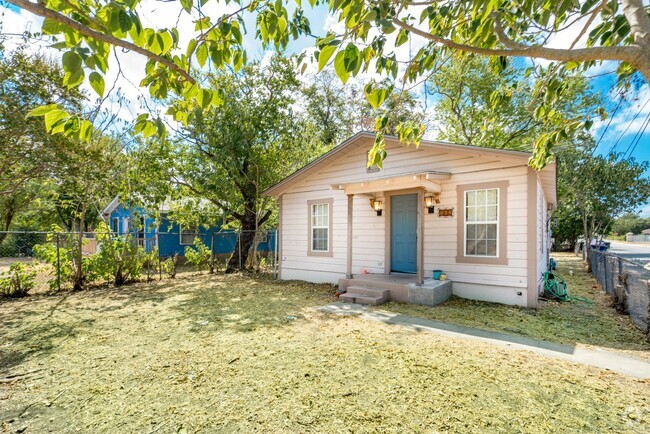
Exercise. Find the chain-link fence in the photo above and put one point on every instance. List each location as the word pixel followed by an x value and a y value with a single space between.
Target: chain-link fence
pixel 39 261
pixel 628 282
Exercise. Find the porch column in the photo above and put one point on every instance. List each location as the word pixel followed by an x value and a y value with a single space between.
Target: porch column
pixel 420 237
pixel 348 273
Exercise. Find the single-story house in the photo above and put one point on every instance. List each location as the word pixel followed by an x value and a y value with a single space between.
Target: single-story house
pixel 479 215
pixel 170 237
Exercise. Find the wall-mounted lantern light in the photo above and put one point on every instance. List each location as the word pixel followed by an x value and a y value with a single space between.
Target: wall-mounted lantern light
pixel 376 205
pixel 429 203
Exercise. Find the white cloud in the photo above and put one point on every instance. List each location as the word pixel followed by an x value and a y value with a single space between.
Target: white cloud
pixel 626 122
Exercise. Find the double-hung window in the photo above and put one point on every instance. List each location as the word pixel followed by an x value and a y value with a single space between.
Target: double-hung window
pixel 482 222
pixel 115 225
pixel 187 235
pixel 482 231
pixel 320 227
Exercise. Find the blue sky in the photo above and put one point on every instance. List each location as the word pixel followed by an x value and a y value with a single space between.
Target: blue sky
pixel 618 133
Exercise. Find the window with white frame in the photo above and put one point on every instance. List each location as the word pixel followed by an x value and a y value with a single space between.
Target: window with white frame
pixel 187 236
pixel 320 227
pixel 115 225
pixel 482 222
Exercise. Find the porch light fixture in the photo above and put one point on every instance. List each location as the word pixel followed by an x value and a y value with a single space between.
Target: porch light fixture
pixel 429 203
pixel 376 205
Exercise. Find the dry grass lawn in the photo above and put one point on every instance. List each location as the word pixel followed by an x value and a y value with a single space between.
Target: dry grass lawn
pixel 575 323
pixel 240 354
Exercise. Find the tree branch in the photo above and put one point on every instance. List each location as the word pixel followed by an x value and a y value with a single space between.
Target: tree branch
pixel 264 218
pixel 618 53
pixel 42 11
pixel 639 21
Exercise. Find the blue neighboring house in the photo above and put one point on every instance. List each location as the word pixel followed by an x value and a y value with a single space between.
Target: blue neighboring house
pixel 170 238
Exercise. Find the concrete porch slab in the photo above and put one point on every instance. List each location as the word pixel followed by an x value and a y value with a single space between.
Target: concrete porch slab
pixel 403 287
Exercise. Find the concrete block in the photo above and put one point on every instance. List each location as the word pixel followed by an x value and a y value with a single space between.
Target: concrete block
pixel 431 293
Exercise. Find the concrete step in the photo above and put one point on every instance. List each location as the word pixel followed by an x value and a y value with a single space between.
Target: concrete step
pixel 351 297
pixel 364 290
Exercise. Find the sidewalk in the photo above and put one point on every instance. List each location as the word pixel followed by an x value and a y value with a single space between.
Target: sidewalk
pixel 603 359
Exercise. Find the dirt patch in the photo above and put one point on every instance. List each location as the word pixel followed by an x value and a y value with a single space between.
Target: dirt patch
pixel 595 323
pixel 233 353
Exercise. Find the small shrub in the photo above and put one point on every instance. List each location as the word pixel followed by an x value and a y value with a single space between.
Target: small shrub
pixel 150 263
pixel 119 258
pixel 169 265
pixel 18 281
pixel 64 260
pixel 198 255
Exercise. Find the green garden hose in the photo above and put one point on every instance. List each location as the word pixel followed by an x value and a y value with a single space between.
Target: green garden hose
pixel 557 288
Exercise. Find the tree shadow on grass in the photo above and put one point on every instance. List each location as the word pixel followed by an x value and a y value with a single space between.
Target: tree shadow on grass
pixel 35 327
pixel 245 303
pixel 35 338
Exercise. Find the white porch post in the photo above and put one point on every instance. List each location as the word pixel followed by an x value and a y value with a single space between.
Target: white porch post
pixel 348 272
pixel 420 237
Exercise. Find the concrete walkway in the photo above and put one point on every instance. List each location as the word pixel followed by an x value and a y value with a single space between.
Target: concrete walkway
pixel 603 359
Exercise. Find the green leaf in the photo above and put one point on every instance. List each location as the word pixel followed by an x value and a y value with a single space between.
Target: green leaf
pixel 124 20
pixel 71 61
pixel 42 110
pixel 376 96
pixel 97 83
pixel 202 54
pixel 85 130
pixel 352 59
pixel 50 27
pixel 191 46
pixel 187 5
pixel 204 98
pixel 167 42
pixel 402 37
pixel 325 55
pixel 53 117
pixel 339 67
pixel 73 78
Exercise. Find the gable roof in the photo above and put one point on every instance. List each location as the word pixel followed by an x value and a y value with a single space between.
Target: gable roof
pixel 548 181
pixel 111 206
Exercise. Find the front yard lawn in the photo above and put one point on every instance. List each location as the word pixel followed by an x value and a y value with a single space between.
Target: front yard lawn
pixel 588 324
pixel 232 353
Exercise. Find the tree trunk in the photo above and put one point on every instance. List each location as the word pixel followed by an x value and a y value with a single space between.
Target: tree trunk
pixel 248 225
pixel 10 212
pixel 79 277
pixel 587 245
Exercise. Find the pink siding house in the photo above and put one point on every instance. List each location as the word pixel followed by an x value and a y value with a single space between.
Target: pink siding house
pixel 479 215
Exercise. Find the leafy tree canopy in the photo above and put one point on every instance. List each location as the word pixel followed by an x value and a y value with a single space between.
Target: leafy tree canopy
pixel 29 157
pixel 497 29
pixel 601 187
pixel 630 223
pixel 229 154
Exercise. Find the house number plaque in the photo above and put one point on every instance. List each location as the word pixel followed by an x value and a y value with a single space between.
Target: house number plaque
pixel 445 212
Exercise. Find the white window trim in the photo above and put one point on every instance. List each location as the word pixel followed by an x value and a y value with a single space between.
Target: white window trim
pixel 116 221
pixel 180 236
pixel 330 232
pixel 327 214
pixel 465 223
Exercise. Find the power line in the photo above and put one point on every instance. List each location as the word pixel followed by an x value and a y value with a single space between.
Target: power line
pixel 637 137
pixel 630 124
pixel 611 118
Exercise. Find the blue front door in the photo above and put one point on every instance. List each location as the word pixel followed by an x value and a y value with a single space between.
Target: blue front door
pixel 403 233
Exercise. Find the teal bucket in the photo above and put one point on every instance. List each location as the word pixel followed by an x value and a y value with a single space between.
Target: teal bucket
pixel 436 274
